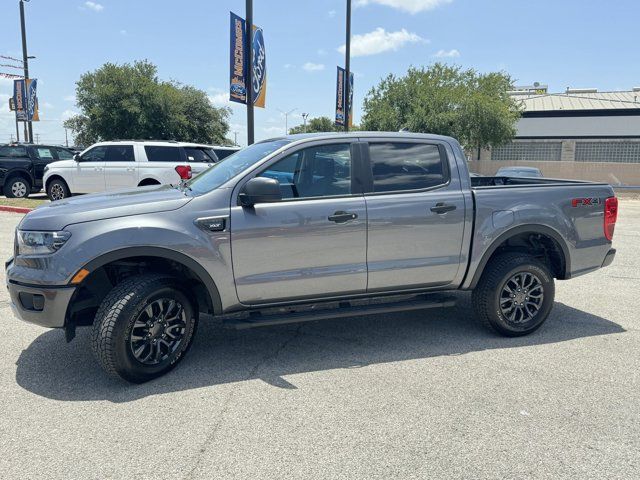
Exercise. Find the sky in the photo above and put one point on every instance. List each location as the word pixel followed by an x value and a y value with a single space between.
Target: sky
pixel 562 43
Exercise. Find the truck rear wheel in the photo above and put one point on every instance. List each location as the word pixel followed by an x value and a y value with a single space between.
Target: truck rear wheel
pixel 17 187
pixel 515 294
pixel 143 327
pixel 58 190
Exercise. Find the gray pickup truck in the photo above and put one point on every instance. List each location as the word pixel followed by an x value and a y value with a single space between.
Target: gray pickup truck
pixel 299 228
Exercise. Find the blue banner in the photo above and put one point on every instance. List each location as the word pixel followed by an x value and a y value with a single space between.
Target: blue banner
pixel 259 68
pixel 341 101
pixel 32 99
pixel 20 100
pixel 237 60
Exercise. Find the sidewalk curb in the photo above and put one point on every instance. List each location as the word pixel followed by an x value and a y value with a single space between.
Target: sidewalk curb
pixel 6 208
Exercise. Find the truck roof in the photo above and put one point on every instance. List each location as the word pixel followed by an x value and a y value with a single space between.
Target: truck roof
pixel 399 135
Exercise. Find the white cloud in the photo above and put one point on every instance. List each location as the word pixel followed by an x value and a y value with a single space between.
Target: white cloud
pixel 331 13
pixel 380 41
pixel 67 114
pixel 70 98
pixel 313 67
pixel 123 33
pixel 220 99
pixel 96 7
pixel 411 6
pixel 453 53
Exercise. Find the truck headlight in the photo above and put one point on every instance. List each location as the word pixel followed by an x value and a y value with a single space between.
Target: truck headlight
pixel 40 243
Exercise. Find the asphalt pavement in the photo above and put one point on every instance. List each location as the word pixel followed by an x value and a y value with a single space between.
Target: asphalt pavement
pixel 413 395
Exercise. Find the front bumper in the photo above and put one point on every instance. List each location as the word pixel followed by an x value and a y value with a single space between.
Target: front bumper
pixel 608 259
pixel 42 305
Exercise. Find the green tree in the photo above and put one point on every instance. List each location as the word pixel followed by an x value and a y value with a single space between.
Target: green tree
pixel 319 124
pixel 475 108
pixel 129 101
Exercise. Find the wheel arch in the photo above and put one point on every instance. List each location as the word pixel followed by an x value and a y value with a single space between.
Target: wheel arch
pixel 149 181
pixel 55 176
pixel 561 266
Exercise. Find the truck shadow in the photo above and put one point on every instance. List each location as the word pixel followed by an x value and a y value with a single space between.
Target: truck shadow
pixel 53 369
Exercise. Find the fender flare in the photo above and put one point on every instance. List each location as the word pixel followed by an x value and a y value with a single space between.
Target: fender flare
pixel 165 253
pixel 542 230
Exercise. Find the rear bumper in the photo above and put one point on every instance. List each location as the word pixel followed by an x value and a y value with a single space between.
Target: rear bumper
pixel 608 259
pixel 39 304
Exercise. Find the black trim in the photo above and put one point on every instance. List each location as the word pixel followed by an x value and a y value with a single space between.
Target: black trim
pixel 165 253
pixel 540 229
pixel 606 112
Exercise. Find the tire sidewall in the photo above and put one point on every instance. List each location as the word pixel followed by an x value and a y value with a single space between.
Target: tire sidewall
pixel 548 286
pixel 126 364
pixel 8 190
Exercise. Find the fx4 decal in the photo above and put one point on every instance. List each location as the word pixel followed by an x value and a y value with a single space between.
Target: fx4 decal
pixel 585 202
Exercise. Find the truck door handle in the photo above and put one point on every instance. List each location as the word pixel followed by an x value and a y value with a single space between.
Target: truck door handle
pixel 441 208
pixel 342 217
pixel 131 169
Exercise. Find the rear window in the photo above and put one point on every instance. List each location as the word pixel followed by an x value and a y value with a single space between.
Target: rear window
pixel 120 153
pixel 224 153
pixel 163 154
pixel 13 152
pixel 44 153
pixel 64 154
pixel 406 166
pixel 200 154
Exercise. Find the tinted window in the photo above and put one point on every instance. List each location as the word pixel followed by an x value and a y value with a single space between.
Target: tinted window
pixel 120 153
pixel 96 154
pixel 314 172
pixel 13 152
pixel 45 153
pixel 405 166
pixel 198 154
pixel 224 153
pixel 163 154
pixel 64 154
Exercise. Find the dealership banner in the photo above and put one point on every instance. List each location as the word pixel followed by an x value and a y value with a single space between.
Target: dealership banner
pixel 25 100
pixel 20 100
pixel 341 101
pixel 238 63
pixel 32 100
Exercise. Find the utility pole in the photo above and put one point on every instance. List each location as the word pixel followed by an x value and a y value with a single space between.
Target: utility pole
pixel 304 122
pixel 66 138
pixel 347 67
pixel 28 129
pixel 235 138
pixel 286 119
pixel 249 43
pixel 37 138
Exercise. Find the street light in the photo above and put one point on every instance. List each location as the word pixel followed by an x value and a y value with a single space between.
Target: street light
pixel 304 120
pixel 286 119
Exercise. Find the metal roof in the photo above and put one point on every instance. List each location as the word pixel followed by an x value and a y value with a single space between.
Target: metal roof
pixel 580 101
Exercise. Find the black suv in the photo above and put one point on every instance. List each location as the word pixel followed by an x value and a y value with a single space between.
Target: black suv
pixel 22 166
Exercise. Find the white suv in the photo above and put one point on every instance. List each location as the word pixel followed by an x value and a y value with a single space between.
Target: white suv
pixel 125 164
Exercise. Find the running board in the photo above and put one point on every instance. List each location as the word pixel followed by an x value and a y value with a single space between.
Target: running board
pixel 345 309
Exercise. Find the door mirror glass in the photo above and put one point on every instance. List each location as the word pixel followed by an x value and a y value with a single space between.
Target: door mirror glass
pixel 260 190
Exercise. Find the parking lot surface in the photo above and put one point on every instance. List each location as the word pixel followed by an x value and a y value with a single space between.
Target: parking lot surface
pixel 415 395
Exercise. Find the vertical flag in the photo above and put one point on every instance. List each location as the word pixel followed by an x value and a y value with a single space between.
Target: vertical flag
pixel 238 63
pixel 341 101
pixel 32 100
pixel 19 100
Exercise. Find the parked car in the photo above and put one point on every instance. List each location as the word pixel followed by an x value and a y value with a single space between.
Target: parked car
pixel 122 164
pixel 22 166
pixel 530 172
pixel 353 224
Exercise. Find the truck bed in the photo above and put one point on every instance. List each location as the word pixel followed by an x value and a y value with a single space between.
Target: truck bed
pixel 479 182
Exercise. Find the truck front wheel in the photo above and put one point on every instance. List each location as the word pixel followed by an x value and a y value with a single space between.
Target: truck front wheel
pixel 143 327
pixel 515 294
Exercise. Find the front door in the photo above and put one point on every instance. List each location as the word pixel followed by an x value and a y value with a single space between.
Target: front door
pixel 88 174
pixel 313 242
pixel 416 217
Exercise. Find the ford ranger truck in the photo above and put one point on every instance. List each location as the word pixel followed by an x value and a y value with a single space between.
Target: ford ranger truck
pixel 304 227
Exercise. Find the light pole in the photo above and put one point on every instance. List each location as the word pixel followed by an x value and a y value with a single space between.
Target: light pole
pixel 25 61
pixel 347 67
pixel 304 121
pixel 286 119
pixel 249 80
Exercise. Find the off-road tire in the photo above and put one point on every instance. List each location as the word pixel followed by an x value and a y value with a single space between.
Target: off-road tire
pixel 57 187
pixel 486 296
pixel 17 187
pixel 115 319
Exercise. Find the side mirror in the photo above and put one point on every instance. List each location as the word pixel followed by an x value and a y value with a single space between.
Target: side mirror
pixel 76 157
pixel 260 190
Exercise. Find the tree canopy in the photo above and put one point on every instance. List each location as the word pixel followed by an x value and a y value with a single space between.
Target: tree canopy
pixel 319 124
pixel 129 101
pixel 475 108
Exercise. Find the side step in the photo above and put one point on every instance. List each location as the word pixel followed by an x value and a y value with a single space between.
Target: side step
pixel 341 310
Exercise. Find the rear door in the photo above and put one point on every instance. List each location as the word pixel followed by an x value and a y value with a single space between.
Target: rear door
pixel 121 168
pixel 88 174
pixel 41 157
pixel 313 242
pixel 415 216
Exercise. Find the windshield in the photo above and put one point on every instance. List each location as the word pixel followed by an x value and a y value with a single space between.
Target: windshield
pixel 232 166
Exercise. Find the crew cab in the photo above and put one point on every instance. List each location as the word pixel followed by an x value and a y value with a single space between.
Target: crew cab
pixel 123 164
pixel 304 227
pixel 22 166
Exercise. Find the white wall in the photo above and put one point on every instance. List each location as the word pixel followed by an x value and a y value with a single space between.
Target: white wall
pixel 579 126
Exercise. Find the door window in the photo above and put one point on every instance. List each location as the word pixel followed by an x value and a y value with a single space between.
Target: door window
pixel 44 153
pixel 120 153
pixel 13 152
pixel 406 166
pixel 321 171
pixel 96 154
pixel 64 154
pixel 156 153
pixel 197 154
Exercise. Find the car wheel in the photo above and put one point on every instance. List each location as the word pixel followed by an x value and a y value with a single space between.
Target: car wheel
pixel 144 327
pixel 17 187
pixel 515 294
pixel 58 190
